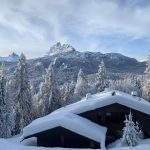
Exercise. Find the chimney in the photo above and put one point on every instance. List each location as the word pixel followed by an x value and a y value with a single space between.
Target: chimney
pixel 134 93
pixel 113 93
pixel 88 96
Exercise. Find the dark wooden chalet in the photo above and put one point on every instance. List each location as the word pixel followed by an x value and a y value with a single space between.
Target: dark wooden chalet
pixel 89 117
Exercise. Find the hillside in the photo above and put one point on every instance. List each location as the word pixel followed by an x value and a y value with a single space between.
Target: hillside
pixel 67 62
pixel 66 55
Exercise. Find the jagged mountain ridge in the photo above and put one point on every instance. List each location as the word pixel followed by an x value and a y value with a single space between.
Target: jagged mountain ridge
pixel 11 58
pixel 59 48
pixel 89 62
pixel 67 65
pixel 68 62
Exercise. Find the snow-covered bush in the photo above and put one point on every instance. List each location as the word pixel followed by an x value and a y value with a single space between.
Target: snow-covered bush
pixel 139 131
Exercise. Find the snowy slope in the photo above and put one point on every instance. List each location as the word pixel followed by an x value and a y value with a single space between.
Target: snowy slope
pixel 68 62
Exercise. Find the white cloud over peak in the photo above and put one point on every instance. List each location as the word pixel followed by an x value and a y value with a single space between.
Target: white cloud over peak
pixel 33 26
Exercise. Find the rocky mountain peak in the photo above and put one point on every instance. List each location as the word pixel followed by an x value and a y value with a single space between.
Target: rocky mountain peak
pixel 11 58
pixel 60 48
pixel 14 54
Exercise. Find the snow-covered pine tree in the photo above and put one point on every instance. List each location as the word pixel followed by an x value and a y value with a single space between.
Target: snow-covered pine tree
pixel 49 95
pixel 22 95
pixel 45 92
pixel 139 87
pixel 6 116
pixel 130 134
pixel 67 91
pixel 82 87
pixel 9 109
pixel 100 81
pixel 2 104
pixel 146 88
pixel 136 85
pixel 133 82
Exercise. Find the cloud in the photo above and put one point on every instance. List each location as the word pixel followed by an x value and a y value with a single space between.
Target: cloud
pixel 33 26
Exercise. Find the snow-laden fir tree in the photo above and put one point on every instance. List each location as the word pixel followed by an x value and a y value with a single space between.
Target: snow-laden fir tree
pixel 82 87
pixel 133 82
pixel 10 123
pixel 6 115
pixel 49 95
pixel 67 91
pixel 22 95
pixel 2 104
pixel 130 132
pixel 136 85
pixel 146 88
pixel 45 92
pixel 100 81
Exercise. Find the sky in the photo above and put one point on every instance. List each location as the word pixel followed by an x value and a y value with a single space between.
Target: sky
pixel 33 26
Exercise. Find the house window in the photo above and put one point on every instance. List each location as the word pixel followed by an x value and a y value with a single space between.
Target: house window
pixel 99 116
pixel 62 139
pixel 108 117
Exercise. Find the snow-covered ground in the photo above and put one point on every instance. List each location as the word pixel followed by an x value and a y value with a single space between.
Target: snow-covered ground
pixel 76 123
pixel 143 145
pixel 14 144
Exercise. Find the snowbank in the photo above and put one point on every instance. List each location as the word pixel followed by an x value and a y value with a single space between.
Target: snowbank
pixel 143 145
pixel 9 144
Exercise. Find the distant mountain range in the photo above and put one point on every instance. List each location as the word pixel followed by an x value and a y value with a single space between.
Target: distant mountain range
pixel 11 58
pixel 67 62
pixel 66 55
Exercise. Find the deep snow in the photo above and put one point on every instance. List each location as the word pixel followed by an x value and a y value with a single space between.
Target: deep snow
pixel 14 144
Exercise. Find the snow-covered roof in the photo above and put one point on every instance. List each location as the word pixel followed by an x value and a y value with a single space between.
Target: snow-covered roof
pixel 104 99
pixel 67 117
pixel 68 121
